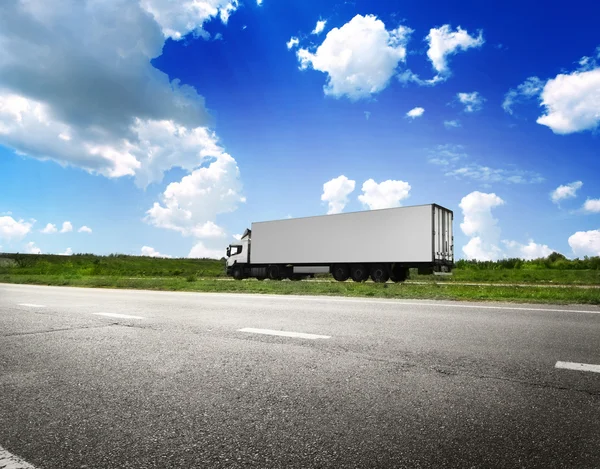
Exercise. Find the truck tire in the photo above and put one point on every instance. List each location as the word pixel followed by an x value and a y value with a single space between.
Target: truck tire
pixel 359 273
pixel 340 272
pixel 399 273
pixel 237 273
pixel 380 273
pixel 273 272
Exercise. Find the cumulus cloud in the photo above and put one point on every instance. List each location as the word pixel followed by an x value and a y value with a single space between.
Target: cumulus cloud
pixel 585 243
pixel 200 251
pixel 11 229
pixel 480 225
pixel 237 237
pixel 415 112
pixel 359 58
pixel 77 87
pixel 528 251
pixel 151 252
pixel 208 230
pixel 386 194
pixel 84 229
pixel 188 205
pixel 572 102
pixel 66 227
pixel 335 193
pixel 592 206
pixel 49 229
pixel 472 101
pixel 68 252
pixel 293 42
pixel 177 19
pixel 443 42
pixel 567 191
pixel 31 248
pixel 319 27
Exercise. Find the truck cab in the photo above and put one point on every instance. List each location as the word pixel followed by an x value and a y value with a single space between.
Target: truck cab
pixel 238 254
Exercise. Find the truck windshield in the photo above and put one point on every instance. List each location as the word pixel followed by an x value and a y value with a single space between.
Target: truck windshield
pixel 233 250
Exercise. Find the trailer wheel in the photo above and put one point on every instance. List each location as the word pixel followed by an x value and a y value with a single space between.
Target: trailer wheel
pixel 273 272
pixel 341 272
pixel 237 273
pixel 379 273
pixel 399 273
pixel 359 273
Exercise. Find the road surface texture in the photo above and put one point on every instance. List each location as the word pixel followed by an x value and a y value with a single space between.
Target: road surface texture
pixel 94 378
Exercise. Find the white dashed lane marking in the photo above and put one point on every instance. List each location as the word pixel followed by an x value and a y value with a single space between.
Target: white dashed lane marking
pixel 30 305
pixel 578 366
pixel 298 335
pixel 10 461
pixel 117 315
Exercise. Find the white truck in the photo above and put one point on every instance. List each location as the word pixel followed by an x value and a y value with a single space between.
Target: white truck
pixel 381 244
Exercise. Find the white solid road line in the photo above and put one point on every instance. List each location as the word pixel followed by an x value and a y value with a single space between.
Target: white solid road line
pixel 578 366
pixel 31 305
pixel 117 315
pixel 300 335
pixel 10 461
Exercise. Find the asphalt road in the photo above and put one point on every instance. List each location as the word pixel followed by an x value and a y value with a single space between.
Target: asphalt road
pixel 181 383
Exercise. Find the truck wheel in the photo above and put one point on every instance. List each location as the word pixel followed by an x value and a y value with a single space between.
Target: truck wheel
pixel 379 273
pixel 359 273
pixel 341 272
pixel 237 273
pixel 399 274
pixel 273 272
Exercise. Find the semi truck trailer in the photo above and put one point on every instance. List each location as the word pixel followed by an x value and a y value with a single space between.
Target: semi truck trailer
pixel 379 244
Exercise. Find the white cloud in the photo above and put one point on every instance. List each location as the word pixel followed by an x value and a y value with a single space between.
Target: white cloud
pixel 567 191
pixel 480 225
pixel 237 237
pixel 208 230
pixel 84 229
pixel 319 27
pixel 444 42
pixel 200 251
pixel 528 251
pixel 31 248
pixel 68 252
pixel 386 194
pixel 11 229
pixel 592 206
pixel 66 227
pixel 531 87
pixel 293 42
pixel 188 205
pixel 452 124
pixel 487 174
pixel 472 101
pixel 151 252
pixel 259 2
pixel 96 101
pixel 415 112
pixel 447 155
pixel 187 16
pixel 335 193
pixel 367 115
pixel 359 58
pixel 49 229
pixel 585 243
pixel 572 102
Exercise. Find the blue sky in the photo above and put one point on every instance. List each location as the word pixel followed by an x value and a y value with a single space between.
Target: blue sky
pixel 167 130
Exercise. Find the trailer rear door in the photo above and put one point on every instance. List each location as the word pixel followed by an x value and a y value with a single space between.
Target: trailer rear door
pixel 443 237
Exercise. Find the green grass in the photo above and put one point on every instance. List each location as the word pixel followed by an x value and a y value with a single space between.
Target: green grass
pixel 202 275
pixel 443 291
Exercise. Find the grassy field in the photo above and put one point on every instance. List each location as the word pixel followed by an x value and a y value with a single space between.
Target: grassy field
pixel 544 282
